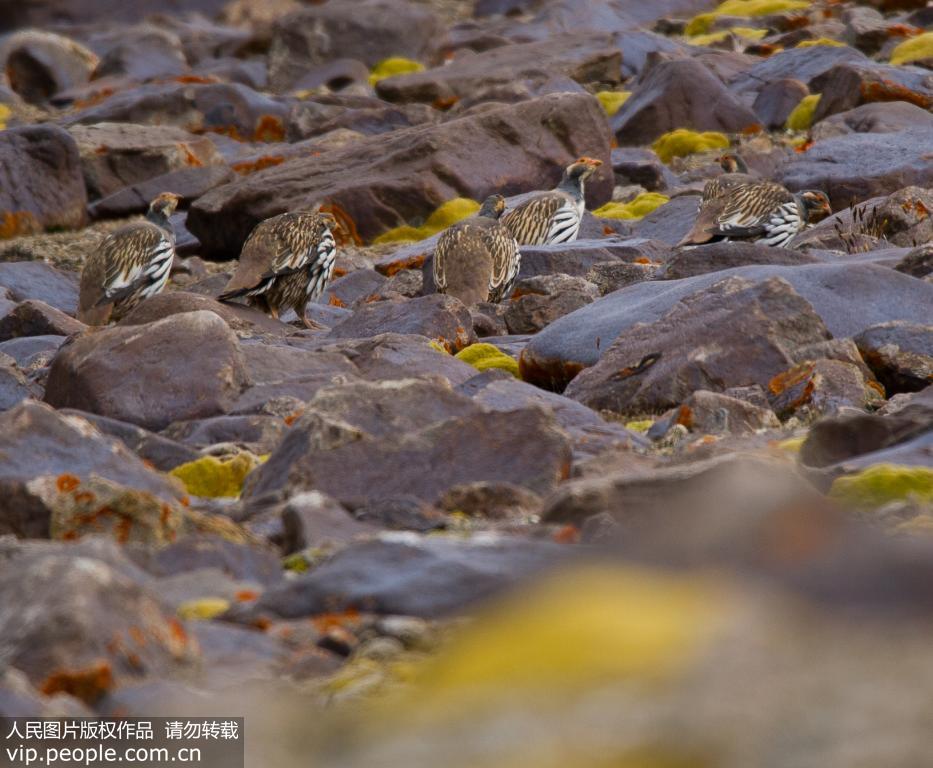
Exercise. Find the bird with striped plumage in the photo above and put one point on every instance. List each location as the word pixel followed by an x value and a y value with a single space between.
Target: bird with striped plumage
pixel 285 263
pixel 477 259
pixel 735 172
pixel 555 216
pixel 761 211
pixel 132 264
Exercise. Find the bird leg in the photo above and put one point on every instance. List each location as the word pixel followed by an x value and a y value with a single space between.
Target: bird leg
pixel 309 323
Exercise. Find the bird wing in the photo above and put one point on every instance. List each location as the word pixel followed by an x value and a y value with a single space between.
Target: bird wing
pixel 506 260
pixel 134 255
pixel 748 208
pixel 449 241
pixel 531 222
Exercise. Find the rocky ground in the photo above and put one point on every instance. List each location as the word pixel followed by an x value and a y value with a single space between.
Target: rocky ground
pixel 664 507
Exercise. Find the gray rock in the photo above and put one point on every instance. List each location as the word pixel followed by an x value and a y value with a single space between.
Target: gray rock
pixel 183 367
pixel 536 302
pixel 407 575
pixel 36 280
pixel 36 318
pixel 900 354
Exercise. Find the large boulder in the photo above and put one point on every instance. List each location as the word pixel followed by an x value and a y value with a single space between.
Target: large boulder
pixel 803 64
pixel 384 181
pixel 852 84
pixel 25 280
pixel 858 166
pixel 584 58
pixel 681 93
pixel 734 334
pixel 40 64
pixel 55 195
pixel 357 467
pixel 370 31
pixel 118 155
pixel 563 349
pixel 38 442
pixel 183 367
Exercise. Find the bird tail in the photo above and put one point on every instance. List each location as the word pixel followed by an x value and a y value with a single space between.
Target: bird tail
pixel 237 294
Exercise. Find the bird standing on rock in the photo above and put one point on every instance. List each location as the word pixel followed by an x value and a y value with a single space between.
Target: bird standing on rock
pixel 761 211
pixel 132 264
pixel 285 263
pixel 555 216
pixel 477 259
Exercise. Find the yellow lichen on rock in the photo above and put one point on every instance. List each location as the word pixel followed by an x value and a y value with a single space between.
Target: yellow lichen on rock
pixel 612 101
pixel 744 8
pixel 879 484
pixel 641 206
pixel 396 65
pixel 746 33
pixel 913 49
pixel 203 608
pixel 641 425
pixel 683 142
pixel 619 624
pixel 486 356
pixel 447 214
pixel 820 41
pixel 801 118
pixel 210 477
pixel 5 113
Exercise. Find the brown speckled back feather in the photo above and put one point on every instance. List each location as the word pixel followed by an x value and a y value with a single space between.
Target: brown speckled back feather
pixel 741 211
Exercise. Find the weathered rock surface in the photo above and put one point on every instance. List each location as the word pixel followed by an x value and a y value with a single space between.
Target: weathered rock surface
pixel 38 442
pixel 384 181
pixel 40 64
pixel 429 577
pixel 679 94
pixel 657 366
pixel 55 196
pixel 183 367
pixel 537 301
pixel 577 340
pixel 900 354
pixel 26 280
pixel 118 155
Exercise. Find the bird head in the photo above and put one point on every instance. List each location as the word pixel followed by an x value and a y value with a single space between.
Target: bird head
pixel 817 205
pixel 329 219
pixel 165 204
pixel 492 207
pixel 583 168
pixel 732 163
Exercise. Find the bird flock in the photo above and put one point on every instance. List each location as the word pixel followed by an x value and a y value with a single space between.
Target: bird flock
pixel 288 260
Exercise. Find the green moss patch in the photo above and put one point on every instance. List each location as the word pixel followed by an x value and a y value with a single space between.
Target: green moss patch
pixel 612 101
pixel 700 24
pixel 884 483
pixel 914 49
pixel 391 67
pixel 210 477
pixel 641 206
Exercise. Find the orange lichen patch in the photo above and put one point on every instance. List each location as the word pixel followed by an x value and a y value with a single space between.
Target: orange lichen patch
pixel 336 301
pixel 917 207
pixel 347 233
pixel 393 267
pixel 246 596
pixel 262 623
pixel 138 636
pixel 685 416
pixel 753 129
pixel 103 149
pixel 608 231
pixel 83 497
pixel 177 632
pixel 195 79
pixel 444 103
pixel 269 128
pixel 887 90
pixel 804 146
pixel 339 272
pixel 16 223
pixel 372 298
pixel 66 483
pixel 327 622
pixel 787 379
pixel 643 260
pixel 552 375
pixel 94 99
pixel 185 501
pixel 567 534
pixel 903 30
pixel 640 367
pixel 292 417
pixel 259 164
pixel 190 158
pixel 88 684
pixel 878 387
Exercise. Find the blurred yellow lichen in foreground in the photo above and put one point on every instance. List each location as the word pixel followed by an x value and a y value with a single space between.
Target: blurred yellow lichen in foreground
pixel 746 33
pixel 203 608
pixel 882 483
pixel 683 142
pixel 577 628
pixel 820 41
pixel 447 214
pixel 638 208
